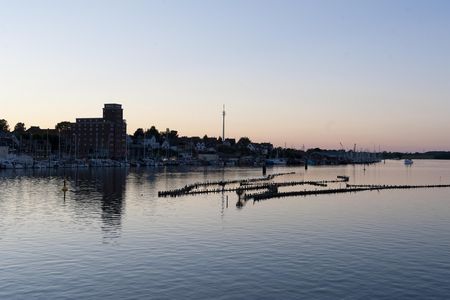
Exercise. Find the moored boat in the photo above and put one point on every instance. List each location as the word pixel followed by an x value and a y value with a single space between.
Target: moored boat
pixel 408 162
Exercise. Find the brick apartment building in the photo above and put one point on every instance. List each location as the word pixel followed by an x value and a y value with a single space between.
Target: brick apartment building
pixel 101 137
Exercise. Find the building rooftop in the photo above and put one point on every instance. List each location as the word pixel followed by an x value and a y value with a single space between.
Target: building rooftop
pixel 89 119
pixel 113 105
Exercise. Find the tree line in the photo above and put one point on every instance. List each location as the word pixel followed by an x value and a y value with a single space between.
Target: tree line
pixel 20 127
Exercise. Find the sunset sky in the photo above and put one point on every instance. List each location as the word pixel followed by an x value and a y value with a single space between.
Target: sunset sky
pixel 313 73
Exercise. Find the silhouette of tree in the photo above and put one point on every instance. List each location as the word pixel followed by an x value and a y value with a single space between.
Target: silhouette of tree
pixel 153 132
pixel 64 125
pixel 19 128
pixel 173 135
pixel 4 127
pixel 139 133
pixel 244 141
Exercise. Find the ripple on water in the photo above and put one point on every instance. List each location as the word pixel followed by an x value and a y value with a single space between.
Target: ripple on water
pixel 111 237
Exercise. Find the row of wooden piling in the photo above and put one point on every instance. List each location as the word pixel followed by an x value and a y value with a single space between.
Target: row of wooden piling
pixel 349 189
pixel 186 191
pixel 271 188
pixel 404 186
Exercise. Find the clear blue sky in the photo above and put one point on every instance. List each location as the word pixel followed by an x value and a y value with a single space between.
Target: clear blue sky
pixel 297 72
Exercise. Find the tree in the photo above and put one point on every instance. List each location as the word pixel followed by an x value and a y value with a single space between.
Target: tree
pixel 153 132
pixel 4 127
pixel 244 142
pixel 19 128
pixel 309 151
pixel 173 134
pixel 139 133
pixel 64 125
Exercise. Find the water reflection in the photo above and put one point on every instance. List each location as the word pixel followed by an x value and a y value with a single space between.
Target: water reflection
pixel 371 245
pixel 93 196
pixel 102 192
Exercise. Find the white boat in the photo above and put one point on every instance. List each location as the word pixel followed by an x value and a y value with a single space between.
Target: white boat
pixel 276 162
pixel 408 162
pixel 18 166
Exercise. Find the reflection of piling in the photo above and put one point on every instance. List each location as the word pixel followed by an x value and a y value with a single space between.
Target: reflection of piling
pixel 222 185
pixel 264 170
pixel 239 204
pixel 239 192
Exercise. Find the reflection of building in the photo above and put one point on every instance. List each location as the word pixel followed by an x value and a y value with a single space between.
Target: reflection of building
pixel 100 193
pixel 102 137
pixel 113 192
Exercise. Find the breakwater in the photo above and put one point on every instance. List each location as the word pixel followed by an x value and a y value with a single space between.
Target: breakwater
pixel 349 189
pixel 243 188
pixel 222 183
pixel 244 185
pixel 188 189
pixel 270 189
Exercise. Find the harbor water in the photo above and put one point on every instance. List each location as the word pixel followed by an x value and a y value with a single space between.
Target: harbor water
pixel 110 236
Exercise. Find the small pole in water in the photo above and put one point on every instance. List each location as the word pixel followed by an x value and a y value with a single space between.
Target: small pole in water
pixel 264 169
pixel 227 201
pixel 65 189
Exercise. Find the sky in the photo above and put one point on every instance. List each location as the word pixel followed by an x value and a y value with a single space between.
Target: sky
pixel 295 73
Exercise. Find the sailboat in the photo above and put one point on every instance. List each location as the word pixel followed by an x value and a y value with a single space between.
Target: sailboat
pixel 276 161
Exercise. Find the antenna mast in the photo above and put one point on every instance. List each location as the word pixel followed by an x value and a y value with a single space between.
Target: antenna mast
pixel 223 124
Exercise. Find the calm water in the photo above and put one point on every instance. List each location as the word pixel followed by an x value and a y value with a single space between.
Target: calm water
pixel 111 237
